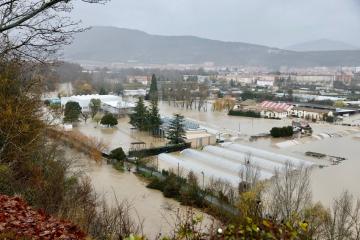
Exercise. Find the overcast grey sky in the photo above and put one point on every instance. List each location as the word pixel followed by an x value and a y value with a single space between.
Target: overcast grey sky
pixel 277 23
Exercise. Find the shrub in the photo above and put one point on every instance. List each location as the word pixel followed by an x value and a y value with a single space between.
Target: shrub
pixel 277 132
pixel 118 154
pixel 157 184
pixel 329 119
pixel 158 150
pixel 244 113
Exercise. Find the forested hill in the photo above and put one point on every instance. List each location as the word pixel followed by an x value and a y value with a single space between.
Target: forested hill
pixel 110 44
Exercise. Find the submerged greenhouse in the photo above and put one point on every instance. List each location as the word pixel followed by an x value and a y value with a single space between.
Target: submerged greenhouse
pixel 245 158
pixel 227 161
pixel 267 155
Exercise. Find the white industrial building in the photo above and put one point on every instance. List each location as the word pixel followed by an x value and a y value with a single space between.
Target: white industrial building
pixel 109 103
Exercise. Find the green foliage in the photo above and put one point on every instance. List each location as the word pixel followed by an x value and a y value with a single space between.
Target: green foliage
pixel 153 92
pixel 146 119
pixel 244 113
pixel 277 132
pixel 154 117
pixel 139 118
pixel 157 184
pixel 109 120
pixel 191 194
pixel 94 105
pixel 103 91
pixel 170 186
pixel 186 191
pixel 118 154
pixel 72 112
pixel 158 150
pixel 119 166
pixel 176 132
pixel 259 96
pixel 266 229
pixel 6 180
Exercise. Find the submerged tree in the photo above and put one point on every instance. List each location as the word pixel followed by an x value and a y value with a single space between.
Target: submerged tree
pixel 94 105
pixel 176 131
pixel 109 120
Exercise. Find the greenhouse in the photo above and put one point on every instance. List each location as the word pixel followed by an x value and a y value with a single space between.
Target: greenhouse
pixel 227 161
pixel 189 165
pixel 220 162
pixel 262 163
pixel 267 155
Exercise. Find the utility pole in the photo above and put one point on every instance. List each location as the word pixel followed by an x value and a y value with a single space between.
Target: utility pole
pixel 178 170
pixel 203 180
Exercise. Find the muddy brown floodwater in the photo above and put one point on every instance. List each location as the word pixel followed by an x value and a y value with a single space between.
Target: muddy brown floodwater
pixel 150 205
pixel 328 182
pixel 157 213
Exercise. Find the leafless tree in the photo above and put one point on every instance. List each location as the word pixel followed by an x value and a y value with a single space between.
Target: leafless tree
pixel 290 192
pixel 249 175
pixel 343 219
pixel 36 29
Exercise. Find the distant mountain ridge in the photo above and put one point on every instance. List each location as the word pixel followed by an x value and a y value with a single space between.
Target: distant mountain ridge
pixel 322 45
pixel 111 44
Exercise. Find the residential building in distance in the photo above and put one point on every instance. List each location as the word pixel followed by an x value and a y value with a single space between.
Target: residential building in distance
pixel 270 109
pixel 314 114
pixel 132 95
pixel 326 81
pixel 144 80
pixel 265 81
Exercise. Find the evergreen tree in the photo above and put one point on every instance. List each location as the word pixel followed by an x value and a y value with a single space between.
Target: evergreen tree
pixel 153 93
pixel 102 91
pixel 139 118
pixel 72 112
pixel 176 132
pixel 154 117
